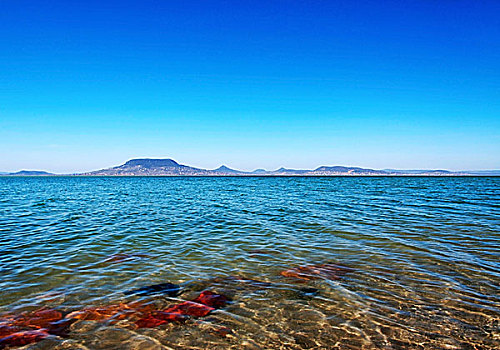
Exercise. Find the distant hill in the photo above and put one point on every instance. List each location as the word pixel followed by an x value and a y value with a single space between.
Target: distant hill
pixel 225 170
pixel 342 170
pixel 469 172
pixel 169 167
pixel 29 173
pixel 259 171
pixel 419 172
pixel 284 171
pixel 484 172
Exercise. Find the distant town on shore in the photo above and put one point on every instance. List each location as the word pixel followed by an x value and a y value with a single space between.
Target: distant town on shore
pixel 169 167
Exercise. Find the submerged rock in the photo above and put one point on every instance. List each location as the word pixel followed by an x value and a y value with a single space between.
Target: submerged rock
pixel 201 306
pixel 94 314
pixel 7 329
pixel 150 322
pixel 38 319
pixel 211 299
pixel 31 326
pixel 61 327
pixel 190 308
pixel 112 312
pixel 169 289
pixel 327 271
pixel 23 338
pixel 169 315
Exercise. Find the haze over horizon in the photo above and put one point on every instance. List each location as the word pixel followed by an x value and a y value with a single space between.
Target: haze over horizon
pixel 410 85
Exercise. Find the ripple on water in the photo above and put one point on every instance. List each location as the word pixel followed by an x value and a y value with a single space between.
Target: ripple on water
pixel 421 259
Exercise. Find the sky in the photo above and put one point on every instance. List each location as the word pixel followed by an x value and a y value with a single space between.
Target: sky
pixel 85 85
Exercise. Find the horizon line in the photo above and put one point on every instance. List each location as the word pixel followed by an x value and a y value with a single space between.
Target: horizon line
pixel 250 171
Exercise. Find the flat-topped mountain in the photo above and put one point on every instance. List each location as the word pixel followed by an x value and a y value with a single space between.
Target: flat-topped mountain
pixel 151 167
pixel 151 163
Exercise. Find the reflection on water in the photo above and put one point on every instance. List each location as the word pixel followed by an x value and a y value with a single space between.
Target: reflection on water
pixel 303 263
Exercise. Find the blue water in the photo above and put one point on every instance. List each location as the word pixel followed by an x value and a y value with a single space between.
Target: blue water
pixel 423 258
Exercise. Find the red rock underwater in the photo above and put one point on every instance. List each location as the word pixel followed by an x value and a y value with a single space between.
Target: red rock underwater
pixel 201 306
pixel 30 327
pixel 211 299
pixel 112 312
pixel 23 338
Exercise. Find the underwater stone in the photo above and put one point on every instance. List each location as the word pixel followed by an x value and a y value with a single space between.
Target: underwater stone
pixel 39 319
pixel 23 338
pixel 149 322
pixel 6 330
pixel 30 327
pixel 211 299
pixel 190 308
pixel 201 306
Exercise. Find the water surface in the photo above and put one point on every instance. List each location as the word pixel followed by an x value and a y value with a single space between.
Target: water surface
pixel 423 258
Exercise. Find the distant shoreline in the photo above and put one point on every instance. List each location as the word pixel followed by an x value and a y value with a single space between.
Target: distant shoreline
pixel 170 168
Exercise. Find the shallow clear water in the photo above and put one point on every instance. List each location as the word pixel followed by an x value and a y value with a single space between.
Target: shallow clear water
pixel 423 257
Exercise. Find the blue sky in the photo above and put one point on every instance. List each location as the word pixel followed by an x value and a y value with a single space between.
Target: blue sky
pixel 381 84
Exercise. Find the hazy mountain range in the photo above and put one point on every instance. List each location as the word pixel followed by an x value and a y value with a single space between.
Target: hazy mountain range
pixel 169 167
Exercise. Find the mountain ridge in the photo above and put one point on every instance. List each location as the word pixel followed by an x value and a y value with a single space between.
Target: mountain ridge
pixel 170 167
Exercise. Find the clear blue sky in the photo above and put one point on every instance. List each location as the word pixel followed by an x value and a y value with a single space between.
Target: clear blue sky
pixel 251 84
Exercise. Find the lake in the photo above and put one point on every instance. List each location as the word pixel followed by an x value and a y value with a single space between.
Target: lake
pixel 298 263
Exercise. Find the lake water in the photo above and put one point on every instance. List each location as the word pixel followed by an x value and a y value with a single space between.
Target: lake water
pixel 417 260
